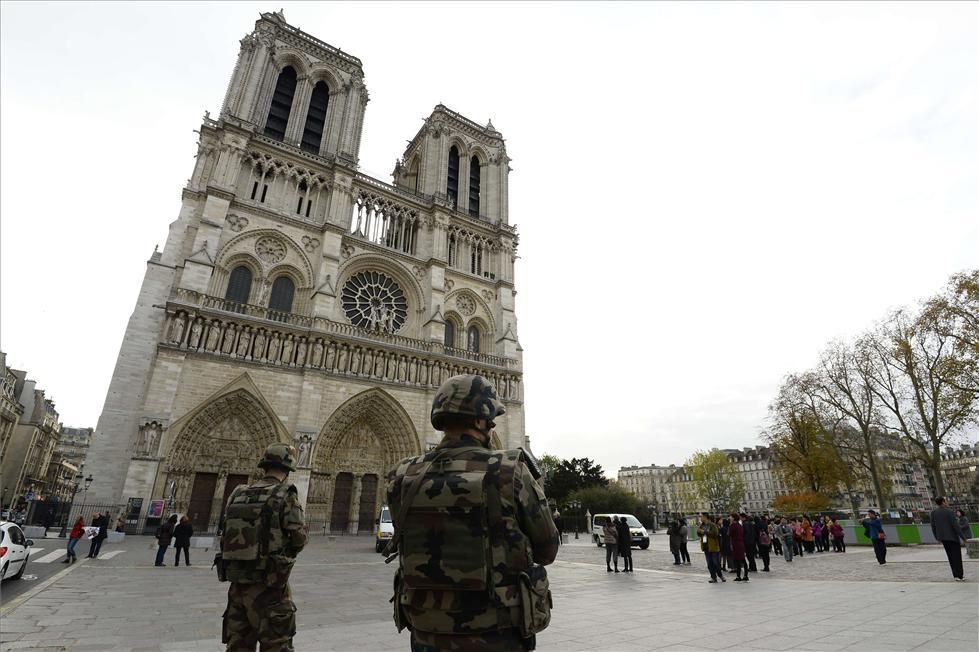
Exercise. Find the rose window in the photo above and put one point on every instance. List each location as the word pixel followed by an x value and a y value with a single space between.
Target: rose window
pixel 373 301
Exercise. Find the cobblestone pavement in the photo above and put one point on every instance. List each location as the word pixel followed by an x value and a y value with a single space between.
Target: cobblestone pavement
pixel 830 602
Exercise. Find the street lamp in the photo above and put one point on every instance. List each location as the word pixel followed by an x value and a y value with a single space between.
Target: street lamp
pixel 576 506
pixel 74 490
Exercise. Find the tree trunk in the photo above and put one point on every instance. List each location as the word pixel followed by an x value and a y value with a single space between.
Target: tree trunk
pixel 935 466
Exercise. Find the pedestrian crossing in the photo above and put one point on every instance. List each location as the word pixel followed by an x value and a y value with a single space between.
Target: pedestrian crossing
pixel 60 554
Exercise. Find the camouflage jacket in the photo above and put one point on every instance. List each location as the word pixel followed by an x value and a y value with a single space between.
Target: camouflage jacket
pixel 286 535
pixel 461 554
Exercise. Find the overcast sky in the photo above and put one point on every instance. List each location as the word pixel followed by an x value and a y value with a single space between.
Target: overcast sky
pixel 705 193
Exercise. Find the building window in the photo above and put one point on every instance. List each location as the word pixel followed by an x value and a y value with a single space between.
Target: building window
pixel 239 287
pixel 450 334
pixel 316 118
pixel 285 88
pixel 373 301
pixel 283 290
pixel 474 187
pixel 472 339
pixel 452 179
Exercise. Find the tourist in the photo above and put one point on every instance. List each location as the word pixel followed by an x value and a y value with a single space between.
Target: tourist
pixel 710 543
pixel 764 541
pixel 784 532
pixel 684 532
pixel 674 537
pixel 817 534
pixel 77 532
pixel 102 523
pixel 873 529
pixel 776 540
pixel 736 534
pixel 611 540
pixel 625 544
pixel 837 531
pixel 965 530
pixel 826 533
pixel 797 536
pixel 164 536
pixel 750 542
pixel 556 517
pixel 120 525
pixel 945 527
pixel 807 538
pixel 181 540
pixel 722 526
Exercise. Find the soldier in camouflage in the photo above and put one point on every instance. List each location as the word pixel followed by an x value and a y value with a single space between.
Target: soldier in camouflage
pixel 264 529
pixel 473 532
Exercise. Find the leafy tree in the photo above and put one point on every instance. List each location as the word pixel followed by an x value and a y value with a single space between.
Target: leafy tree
pixel 571 475
pixel 716 480
pixel 801 503
pixel 603 500
pixel 548 465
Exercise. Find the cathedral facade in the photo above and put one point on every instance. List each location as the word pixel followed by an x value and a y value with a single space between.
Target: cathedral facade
pixel 298 300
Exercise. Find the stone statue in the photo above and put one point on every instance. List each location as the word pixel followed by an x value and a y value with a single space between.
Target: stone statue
pixel 342 359
pixel 195 334
pixel 318 353
pixel 473 340
pixel 287 350
pixel 259 352
pixel 150 434
pixel 331 356
pixel 244 340
pixel 213 336
pixel 403 369
pixel 305 444
pixel 274 346
pixel 229 340
pixel 177 329
pixel 301 352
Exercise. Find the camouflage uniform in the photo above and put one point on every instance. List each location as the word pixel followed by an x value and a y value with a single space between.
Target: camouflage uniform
pixel 260 607
pixel 453 593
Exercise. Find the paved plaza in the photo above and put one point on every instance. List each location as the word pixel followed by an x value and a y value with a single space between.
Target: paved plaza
pixel 821 602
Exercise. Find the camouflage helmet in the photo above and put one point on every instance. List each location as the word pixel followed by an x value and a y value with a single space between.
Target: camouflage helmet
pixel 282 456
pixel 468 396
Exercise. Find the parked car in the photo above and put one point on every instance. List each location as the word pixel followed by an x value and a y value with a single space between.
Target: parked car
pixel 385 529
pixel 640 538
pixel 14 550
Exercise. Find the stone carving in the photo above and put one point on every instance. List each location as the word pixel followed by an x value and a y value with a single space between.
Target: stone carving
pixel 195 333
pixel 270 249
pixel 473 340
pixel 301 352
pixel 347 251
pixel 177 329
pixel 488 295
pixel 304 444
pixel 310 244
pixel 229 339
pixel 213 336
pixel 260 340
pixel 449 284
pixel 373 301
pixel 318 353
pixel 287 349
pixel 237 223
pixel 274 346
pixel 148 441
pixel 244 340
pixel 466 305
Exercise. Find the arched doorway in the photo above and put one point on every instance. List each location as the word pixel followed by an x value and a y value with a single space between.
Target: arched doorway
pixel 360 443
pixel 214 449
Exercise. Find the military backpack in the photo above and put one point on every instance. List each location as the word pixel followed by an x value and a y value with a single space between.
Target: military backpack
pixel 252 538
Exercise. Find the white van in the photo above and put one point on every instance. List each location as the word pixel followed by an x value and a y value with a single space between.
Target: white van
pixel 640 538
pixel 385 529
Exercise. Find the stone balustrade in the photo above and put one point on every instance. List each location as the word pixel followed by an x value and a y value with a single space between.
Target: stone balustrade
pixel 214 326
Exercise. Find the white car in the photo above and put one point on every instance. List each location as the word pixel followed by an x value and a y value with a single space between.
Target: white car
pixel 14 550
pixel 385 529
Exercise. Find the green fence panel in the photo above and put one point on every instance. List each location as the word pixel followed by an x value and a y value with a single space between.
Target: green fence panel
pixel 861 539
pixel 907 534
pixel 975 530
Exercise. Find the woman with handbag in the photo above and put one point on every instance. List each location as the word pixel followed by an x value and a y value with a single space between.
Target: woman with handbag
pixel 874 529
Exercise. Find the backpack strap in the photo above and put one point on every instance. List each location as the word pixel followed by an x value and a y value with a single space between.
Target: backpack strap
pixel 266 518
pixel 408 492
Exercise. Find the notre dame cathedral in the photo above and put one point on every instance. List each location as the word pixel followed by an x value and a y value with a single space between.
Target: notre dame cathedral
pixel 298 300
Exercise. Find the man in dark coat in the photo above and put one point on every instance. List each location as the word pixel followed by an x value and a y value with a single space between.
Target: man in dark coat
pixel 625 544
pixel 736 533
pixel 945 527
pixel 750 542
pixel 102 523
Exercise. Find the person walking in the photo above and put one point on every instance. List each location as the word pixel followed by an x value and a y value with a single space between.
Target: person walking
pixel 826 533
pixel 965 530
pixel 784 532
pixel 736 533
pixel 817 534
pixel 874 530
pixel 77 532
pixel 776 540
pixel 466 587
pixel 181 540
pixel 164 537
pixel 102 523
pixel 807 537
pixel 672 531
pixel 710 543
pixel 797 537
pixel 559 524
pixel 764 542
pixel 264 530
pixel 625 545
pixel 684 533
pixel 945 527
pixel 724 529
pixel 837 533
pixel 750 542
pixel 610 537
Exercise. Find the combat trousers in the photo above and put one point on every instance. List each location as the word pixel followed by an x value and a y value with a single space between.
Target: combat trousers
pixel 508 640
pixel 258 614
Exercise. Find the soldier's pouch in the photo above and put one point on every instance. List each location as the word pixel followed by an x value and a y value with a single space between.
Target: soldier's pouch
pixel 277 570
pixel 400 618
pixel 280 621
pixel 535 601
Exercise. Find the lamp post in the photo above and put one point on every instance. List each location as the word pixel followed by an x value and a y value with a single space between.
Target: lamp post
pixel 74 490
pixel 3 497
pixel 576 506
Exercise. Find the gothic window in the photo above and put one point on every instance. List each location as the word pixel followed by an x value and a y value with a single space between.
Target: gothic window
pixel 302 195
pixel 285 88
pixel 283 290
pixel 450 334
pixel 239 287
pixel 452 179
pixel 316 118
pixel 472 339
pixel 254 190
pixel 373 301
pixel 265 190
pixel 474 187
